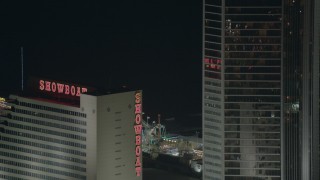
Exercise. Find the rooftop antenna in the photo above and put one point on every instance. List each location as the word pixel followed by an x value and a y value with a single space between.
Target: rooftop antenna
pixel 21 67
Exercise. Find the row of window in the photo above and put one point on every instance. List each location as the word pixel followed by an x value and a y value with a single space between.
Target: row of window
pixel 216 91
pixel 212 134
pixel 212 127
pixel 252 62
pixel 212 149
pixel 42 153
pixel 212 142
pixel 45 123
pixel 212 120
pixel 212 156
pixel 54 117
pixel 266 77
pixel 10 177
pixel 45 131
pixel 252 91
pixel 258 174
pixel 251 98
pixel 42 161
pixel 212 113
pixel 212 105
pixel 212 83
pixel 27 173
pixel 43 138
pixel 256 163
pixel 249 84
pixel 212 164
pixel 43 146
pixel 252 142
pixel 253 106
pixel 39 168
pixel 213 97
pixel 57 110
pixel 211 177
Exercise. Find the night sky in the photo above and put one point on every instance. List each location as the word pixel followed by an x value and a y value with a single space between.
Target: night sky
pixel 150 45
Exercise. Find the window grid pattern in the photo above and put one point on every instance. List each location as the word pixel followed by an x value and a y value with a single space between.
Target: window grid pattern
pixel 213 107
pixel 58 135
pixel 242 84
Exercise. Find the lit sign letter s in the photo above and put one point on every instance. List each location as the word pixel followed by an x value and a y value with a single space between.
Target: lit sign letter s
pixel 41 87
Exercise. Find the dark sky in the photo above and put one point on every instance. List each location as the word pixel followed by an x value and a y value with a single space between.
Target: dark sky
pixel 143 44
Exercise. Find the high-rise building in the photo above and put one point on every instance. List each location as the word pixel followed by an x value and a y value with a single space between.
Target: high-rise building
pixel 97 139
pixel 260 89
pixel 300 83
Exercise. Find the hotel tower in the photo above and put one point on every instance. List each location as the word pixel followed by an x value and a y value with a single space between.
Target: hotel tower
pixel 61 134
pixel 261 89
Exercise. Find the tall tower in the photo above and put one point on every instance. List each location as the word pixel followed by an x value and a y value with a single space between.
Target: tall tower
pixel 300 120
pixel 261 89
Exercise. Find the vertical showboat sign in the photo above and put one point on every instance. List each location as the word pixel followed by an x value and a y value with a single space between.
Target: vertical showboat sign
pixel 138 131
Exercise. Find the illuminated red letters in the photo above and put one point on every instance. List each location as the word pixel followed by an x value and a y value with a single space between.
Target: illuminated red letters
pixel 41 87
pixel 60 88
pixel 48 88
pixel 138 130
pixel 138 140
pixel 73 90
pixel 138 170
pixel 54 87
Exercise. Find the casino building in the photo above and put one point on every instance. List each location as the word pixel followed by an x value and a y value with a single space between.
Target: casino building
pixel 97 139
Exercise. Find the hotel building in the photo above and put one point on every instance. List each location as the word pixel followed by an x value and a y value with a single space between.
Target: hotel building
pixel 98 139
pixel 260 89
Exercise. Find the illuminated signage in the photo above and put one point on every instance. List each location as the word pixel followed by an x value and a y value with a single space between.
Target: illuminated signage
pixel 54 87
pixel 138 130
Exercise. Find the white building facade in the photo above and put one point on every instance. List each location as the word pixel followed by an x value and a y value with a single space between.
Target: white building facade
pixel 40 139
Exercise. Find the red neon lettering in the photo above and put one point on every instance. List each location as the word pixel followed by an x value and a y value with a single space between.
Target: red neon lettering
pixel 41 87
pixel 84 90
pixel 138 161
pixel 138 140
pixel 138 129
pixel 138 150
pixel 138 108
pixel 138 118
pixel 48 83
pixel 53 87
pixel 73 90
pixel 78 91
pixel 60 88
pixel 67 89
pixel 138 98
pixel 138 171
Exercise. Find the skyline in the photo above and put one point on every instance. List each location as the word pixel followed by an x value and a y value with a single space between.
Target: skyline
pixel 109 45
pixel 244 72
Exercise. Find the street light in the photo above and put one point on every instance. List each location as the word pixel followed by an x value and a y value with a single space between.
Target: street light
pixel 148 120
